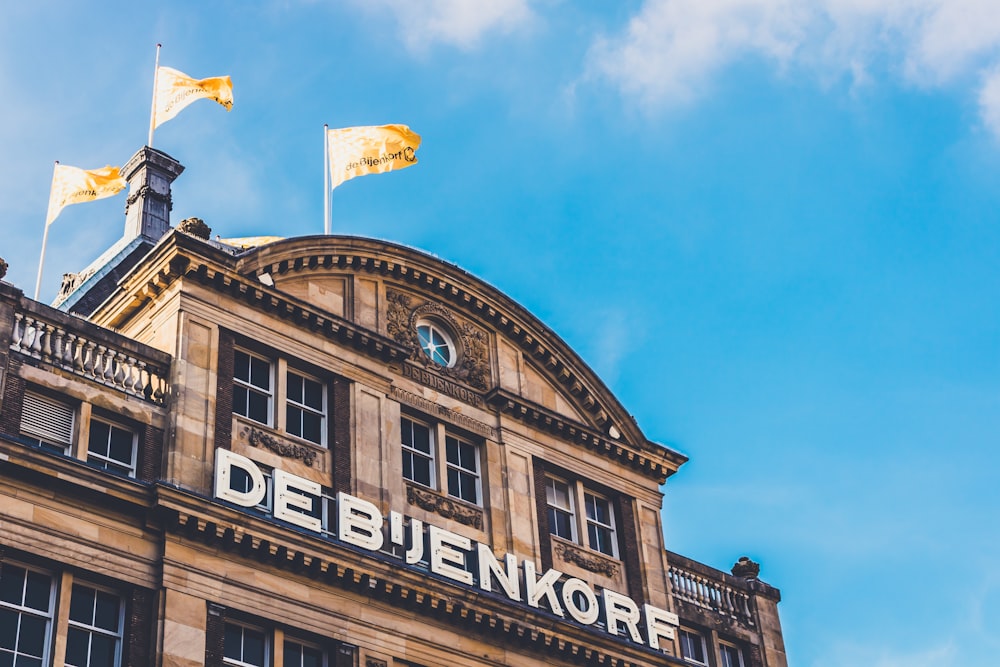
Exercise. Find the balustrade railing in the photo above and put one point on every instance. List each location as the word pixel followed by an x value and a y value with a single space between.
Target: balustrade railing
pixel 710 593
pixel 98 360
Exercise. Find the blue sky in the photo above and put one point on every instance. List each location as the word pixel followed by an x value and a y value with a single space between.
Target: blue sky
pixel 771 226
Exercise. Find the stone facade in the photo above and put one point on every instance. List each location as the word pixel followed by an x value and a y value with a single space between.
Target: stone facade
pixel 309 359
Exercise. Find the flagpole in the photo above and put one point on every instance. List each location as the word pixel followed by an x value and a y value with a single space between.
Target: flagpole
pixel 45 240
pixel 152 110
pixel 326 180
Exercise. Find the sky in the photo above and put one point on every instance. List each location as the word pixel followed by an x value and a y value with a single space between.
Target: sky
pixel 770 226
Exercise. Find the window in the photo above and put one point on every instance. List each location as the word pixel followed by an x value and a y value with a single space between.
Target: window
pixel 463 469
pixel 111 447
pixel 305 408
pixel 562 497
pixel 692 647
pixel 460 469
pixel 418 452
pixel 600 524
pixel 256 391
pixel 299 654
pixel 26 610
pixel 436 343
pixel 94 637
pixel 562 519
pixel 47 422
pixel 731 655
pixel 244 646
pixel 252 387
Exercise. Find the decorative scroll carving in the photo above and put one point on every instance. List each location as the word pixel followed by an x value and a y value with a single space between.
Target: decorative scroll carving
pixel 446 507
pixel 147 191
pixel 473 364
pixel 587 561
pixel 259 438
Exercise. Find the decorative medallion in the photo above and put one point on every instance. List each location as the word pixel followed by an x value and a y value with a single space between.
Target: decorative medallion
pixel 259 438
pixel 590 562
pixel 438 340
pixel 446 507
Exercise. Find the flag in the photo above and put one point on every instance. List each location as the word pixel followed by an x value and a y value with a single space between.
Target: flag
pixel 371 149
pixel 72 185
pixel 175 90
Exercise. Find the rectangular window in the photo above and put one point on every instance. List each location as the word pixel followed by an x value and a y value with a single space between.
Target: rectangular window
pixel 600 524
pixel 562 518
pixel 252 387
pixel 731 655
pixel 47 422
pixel 112 447
pixel 26 610
pixel 463 470
pixel 305 408
pixel 94 638
pixel 244 646
pixel 418 452
pixel 300 654
pixel 692 647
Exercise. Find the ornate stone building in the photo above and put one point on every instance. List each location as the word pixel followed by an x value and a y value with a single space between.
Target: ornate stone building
pixel 332 451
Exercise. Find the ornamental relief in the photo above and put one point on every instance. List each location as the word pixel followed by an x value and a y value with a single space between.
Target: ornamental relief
pixel 432 502
pixel 587 561
pixel 473 364
pixel 260 438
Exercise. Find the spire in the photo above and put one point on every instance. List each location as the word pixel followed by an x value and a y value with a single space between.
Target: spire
pixel 147 211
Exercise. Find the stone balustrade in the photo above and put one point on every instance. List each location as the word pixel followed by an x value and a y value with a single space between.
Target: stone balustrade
pixel 711 590
pixel 101 356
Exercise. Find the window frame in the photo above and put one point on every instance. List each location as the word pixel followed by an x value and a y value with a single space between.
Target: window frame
pixel 579 491
pixel 447 338
pixel 49 615
pixel 90 629
pixel 293 639
pixel 267 636
pixel 439 435
pixel 42 440
pixel 683 633
pixel 723 646
pixel 102 460
pixel 280 368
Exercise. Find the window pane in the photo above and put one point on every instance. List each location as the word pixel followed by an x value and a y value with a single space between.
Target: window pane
pixel 102 650
pixel 8 629
pixel 233 642
pixel 422 470
pixel 37 591
pixel 294 387
pixel 32 637
pixel 81 606
pixel 451 450
pixel 314 395
pixel 312 427
pixel 106 614
pixel 241 366
pixel 121 445
pixel 406 431
pixel 7 659
pixel 240 399
pixel 99 432
pixel 77 642
pixel 12 584
pixel 23 661
pixel 253 647
pixel 260 373
pixel 421 438
pixel 257 407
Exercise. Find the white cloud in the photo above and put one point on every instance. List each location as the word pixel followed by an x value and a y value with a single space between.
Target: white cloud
pixel 460 23
pixel 671 49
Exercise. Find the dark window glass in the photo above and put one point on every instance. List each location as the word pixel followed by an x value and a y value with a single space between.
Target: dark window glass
pixel 417 456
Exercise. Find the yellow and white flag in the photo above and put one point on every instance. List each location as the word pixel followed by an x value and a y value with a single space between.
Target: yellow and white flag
pixel 370 149
pixel 72 185
pixel 175 90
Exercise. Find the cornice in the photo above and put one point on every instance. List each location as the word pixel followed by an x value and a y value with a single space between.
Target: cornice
pixel 381 579
pixel 657 462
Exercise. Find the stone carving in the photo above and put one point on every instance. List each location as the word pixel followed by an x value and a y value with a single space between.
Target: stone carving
pixel 3 267
pixel 195 227
pixel 587 561
pixel 146 191
pixel 446 507
pixel 473 364
pixel 746 568
pixel 258 438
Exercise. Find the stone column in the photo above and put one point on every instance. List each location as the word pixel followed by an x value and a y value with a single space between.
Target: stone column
pixel 147 211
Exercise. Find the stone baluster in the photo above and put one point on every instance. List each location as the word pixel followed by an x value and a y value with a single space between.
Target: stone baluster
pixel 119 367
pixel 18 333
pixel 138 382
pixel 36 338
pixel 69 351
pixel 88 354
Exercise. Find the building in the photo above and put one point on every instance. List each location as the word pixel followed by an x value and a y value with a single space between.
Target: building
pixel 331 451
